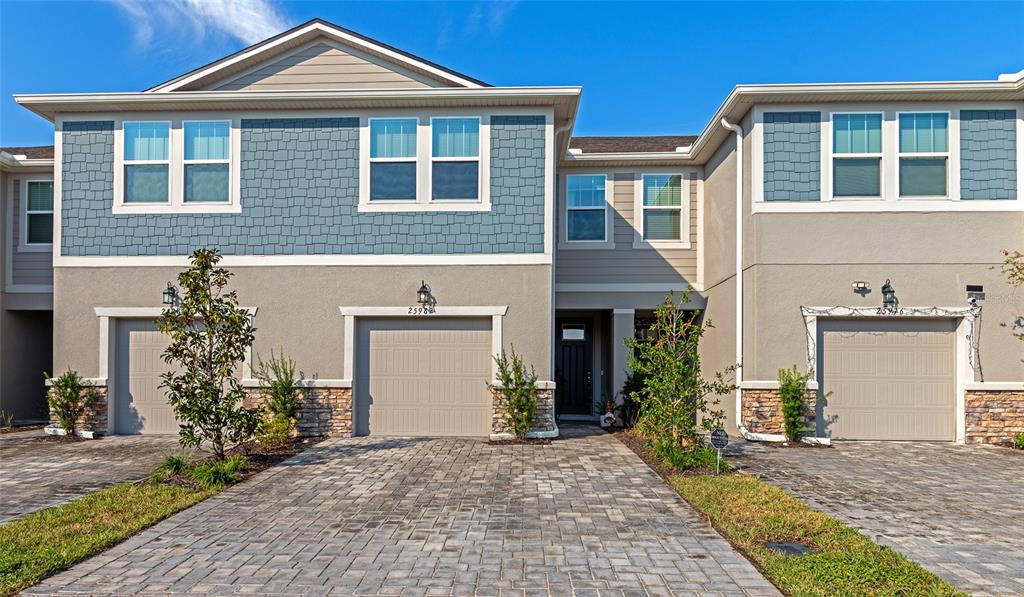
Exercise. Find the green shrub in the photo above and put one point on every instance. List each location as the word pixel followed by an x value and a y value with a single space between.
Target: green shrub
pixel 793 396
pixel 519 387
pixel 279 383
pixel 69 397
pixel 632 398
pixel 174 464
pixel 1018 441
pixel 275 429
pixel 214 474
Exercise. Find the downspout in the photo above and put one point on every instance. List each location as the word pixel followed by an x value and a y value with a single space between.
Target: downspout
pixel 747 434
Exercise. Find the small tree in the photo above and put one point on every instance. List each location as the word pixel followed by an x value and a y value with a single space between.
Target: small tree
pixel 519 387
pixel 209 336
pixel 280 386
pixel 69 397
pixel 792 395
pixel 678 403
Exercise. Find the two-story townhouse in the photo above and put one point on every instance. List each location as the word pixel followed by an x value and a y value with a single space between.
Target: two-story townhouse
pixel 26 280
pixel 338 174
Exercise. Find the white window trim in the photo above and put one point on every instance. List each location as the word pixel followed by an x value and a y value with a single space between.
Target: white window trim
pixel 890 202
pixel 23 245
pixel 639 242
pixel 176 194
pixel 424 159
pixel 950 193
pixel 479 166
pixel 880 156
pixel 415 159
pixel 608 242
pixel 186 162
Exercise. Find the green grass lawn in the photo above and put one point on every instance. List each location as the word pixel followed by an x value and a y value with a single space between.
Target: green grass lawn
pixel 48 541
pixel 749 512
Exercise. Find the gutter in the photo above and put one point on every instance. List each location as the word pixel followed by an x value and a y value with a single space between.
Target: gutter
pixel 746 433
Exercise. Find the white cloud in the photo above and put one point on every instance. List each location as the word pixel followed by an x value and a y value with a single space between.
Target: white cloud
pixel 248 21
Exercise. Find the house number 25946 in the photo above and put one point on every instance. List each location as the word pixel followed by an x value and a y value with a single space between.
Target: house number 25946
pixel 429 310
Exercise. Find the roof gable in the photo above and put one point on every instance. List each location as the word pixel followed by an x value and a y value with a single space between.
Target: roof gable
pixel 364 55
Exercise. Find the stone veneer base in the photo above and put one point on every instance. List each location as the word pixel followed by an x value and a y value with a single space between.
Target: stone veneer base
pixel 993 416
pixel 323 412
pixel 93 423
pixel 762 410
pixel 543 420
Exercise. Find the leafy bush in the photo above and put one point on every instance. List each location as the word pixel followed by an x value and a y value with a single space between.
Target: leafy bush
pixel 275 429
pixel 214 474
pixel 279 383
pixel 678 405
pixel 1018 441
pixel 632 391
pixel 174 464
pixel 210 335
pixel 792 395
pixel 69 397
pixel 519 387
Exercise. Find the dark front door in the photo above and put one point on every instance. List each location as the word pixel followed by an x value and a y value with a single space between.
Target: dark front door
pixel 574 376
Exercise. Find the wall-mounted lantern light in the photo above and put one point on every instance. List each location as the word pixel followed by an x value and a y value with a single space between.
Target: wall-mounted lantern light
pixel 890 304
pixel 170 295
pixel 861 287
pixel 423 295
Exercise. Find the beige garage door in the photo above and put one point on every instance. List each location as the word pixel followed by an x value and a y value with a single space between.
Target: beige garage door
pixel 423 377
pixel 141 404
pixel 889 379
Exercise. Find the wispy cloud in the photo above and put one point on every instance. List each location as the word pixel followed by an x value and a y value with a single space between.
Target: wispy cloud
pixel 248 21
pixel 483 17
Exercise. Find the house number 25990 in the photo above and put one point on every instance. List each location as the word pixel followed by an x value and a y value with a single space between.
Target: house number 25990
pixel 422 310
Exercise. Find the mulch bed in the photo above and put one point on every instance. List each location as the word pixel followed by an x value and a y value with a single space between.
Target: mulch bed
pixel 534 441
pixel 638 444
pixel 792 445
pixel 20 429
pixel 61 439
pixel 258 459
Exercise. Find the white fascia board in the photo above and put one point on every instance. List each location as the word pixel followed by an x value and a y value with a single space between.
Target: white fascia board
pixel 313 260
pixel 329 31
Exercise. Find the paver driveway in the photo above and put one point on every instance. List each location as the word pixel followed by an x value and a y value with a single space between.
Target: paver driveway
pixel 36 473
pixel 441 517
pixel 958 510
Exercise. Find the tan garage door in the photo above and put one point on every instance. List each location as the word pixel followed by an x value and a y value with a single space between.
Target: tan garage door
pixel 889 379
pixel 141 404
pixel 423 377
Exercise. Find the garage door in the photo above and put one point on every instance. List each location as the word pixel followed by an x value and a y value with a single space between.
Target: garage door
pixel 889 379
pixel 423 377
pixel 141 404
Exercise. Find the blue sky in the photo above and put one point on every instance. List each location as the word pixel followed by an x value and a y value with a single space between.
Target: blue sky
pixel 646 68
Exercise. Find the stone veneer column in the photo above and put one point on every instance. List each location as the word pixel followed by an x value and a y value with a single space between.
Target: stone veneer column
pixel 994 416
pixel 543 418
pixel 95 418
pixel 622 328
pixel 322 411
pixel 762 410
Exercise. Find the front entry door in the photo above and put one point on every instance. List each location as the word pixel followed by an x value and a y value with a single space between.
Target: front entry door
pixel 574 375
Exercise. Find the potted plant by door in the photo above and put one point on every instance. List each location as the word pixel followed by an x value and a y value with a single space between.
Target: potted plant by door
pixel 608 418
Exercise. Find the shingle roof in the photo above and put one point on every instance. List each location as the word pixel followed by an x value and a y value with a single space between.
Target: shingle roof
pixel 631 144
pixel 38 152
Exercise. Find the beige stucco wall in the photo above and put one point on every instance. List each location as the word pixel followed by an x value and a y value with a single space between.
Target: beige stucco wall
pixel 298 306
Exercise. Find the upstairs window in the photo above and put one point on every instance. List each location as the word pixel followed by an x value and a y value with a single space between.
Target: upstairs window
pixel 857 155
pixel 207 161
pixel 39 212
pixel 147 162
pixel 393 159
pixel 662 207
pixel 586 208
pixel 455 159
pixel 924 154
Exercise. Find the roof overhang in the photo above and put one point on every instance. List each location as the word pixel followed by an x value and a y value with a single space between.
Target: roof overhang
pixel 9 162
pixel 744 97
pixel 564 100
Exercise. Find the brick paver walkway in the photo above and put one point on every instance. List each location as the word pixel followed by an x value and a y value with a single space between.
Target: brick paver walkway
pixel 581 516
pixel 958 510
pixel 36 473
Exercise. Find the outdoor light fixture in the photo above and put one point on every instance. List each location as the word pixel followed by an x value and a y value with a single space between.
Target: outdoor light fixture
pixel 170 294
pixel 890 304
pixel 423 295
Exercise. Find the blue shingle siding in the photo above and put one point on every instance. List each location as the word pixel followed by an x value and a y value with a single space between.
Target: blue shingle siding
pixel 792 156
pixel 988 154
pixel 300 192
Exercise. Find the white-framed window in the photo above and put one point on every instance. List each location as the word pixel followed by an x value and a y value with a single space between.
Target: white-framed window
pixel 455 159
pixel 424 160
pixel 923 154
pixel 662 210
pixel 147 162
pixel 207 161
pixel 177 164
pixel 857 155
pixel 586 208
pixel 393 162
pixel 36 232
